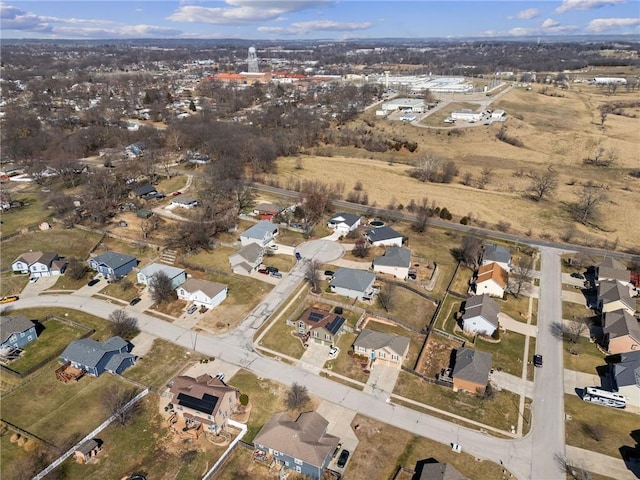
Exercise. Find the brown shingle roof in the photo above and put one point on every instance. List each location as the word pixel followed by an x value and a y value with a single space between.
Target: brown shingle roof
pixel 493 271
pixel 210 289
pixel 198 387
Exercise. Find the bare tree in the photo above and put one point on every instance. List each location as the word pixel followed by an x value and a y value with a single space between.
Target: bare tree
pixel 149 225
pixel 576 473
pixel 114 400
pixel 161 288
pixel 297 396
pixel 123 324
pixel 422 220
pixel 386 296
pixel 521 276
pixel 76 268
pixel 470 251
pixel 543 184
pixel 312 274
pixel 485 177
pixel 315 202
pixel 361 248
pixel 586 209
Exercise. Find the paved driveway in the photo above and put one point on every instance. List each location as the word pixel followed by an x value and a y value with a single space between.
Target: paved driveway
pixel 43 283
pixel 382 380
pixel 314 357
pixel 340 420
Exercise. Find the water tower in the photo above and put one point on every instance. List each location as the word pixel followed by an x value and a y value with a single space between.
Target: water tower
pixel 252 61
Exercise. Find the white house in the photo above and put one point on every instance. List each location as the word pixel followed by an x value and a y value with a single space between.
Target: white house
pixel 353 283
pixel 39 264
pixel 467 115
pixel 492 280
pixel 395 261
pixel 344 222
pixel 247 259
pixel 262 233
pixel 202 293
pixel 384 237
pixel 480 315
pixel 177 275
pixel 184 201
pixel 499 115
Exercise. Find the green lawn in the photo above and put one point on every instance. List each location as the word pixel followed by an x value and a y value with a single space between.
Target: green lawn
pixel 516 308
pixel 159 365
pixel 281 339
pixel 598 428
pixel 573 311
pixel 446 316
pixel 52 341
pixel 499 412
pixel 344 364
pixel 507 353
pixel 100 325
pixel 284 263
pixel 215 259
pixel 32 213
pixel 66 243
pixel 58 419
pixel 65 282
pixel 583 356
pixel 11 284
pixel 170 185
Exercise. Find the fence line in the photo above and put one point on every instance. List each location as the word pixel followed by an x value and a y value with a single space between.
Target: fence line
pixel 27 434
pixel 91 435
pixel 243 430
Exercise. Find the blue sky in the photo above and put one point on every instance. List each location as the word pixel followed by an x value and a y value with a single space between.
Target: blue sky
pixel 310 19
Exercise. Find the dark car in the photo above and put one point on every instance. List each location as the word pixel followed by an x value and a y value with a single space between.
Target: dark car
pixel 579 276
pixel 93 282
pixel 537 360
pixel 329 273
pixel 135 301
pixel 264 270
pixel 298 256
pixel 342 460
pixel 271 269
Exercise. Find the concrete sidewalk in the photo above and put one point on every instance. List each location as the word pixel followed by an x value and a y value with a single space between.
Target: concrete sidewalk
pixel 515 326
pixel 604 465
pixel 506 381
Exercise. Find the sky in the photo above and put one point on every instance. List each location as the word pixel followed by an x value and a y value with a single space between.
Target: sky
pixel 315 19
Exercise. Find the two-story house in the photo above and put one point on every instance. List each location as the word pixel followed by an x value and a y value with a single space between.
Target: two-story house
pixel 16 331
pixel 39 264
pixel 320 325
pixel 302 445
pixel 614 295
pixel 480 315
pixel 498 254
pixel 262 233
pixel 491 279
pixel 621 332
pixel 113 265
pixel 177 275
pixel 247 259
pixel 204 399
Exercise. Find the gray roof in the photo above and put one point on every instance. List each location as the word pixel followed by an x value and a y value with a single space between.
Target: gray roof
pixel 153 268
pixel 612 263
pixel 612 269
pixel 183 199
pixel 113 259
pixel 439 471
pixel 627 371
pixel 612 290
pixel 496 253
pixel 13 324
pixel 394 257
pixel 251 253
pixel 260 229
pixel 372 340
pixel 210 289
pixel 116 360
pixel 620 323
pixel 353 279
pixel 89 352
pixel 342 217
pixel 381 234
pixel 30 258
pixel 304 439
pixel 472 365
pixel 144 189
pixel 483 306
pixel 86 447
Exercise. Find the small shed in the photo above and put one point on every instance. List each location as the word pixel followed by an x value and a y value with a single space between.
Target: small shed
pixel 143 213
pixel 88 450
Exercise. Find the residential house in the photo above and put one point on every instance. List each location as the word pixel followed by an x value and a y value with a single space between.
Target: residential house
pixel 395 261
pixel 202 293
pixel 177 275
pixel 625 377
pixel 344 222
pixel 492 280
pixel 184 201
pixel 321 325
pixel 204 399
pixel 471 370
pixel 621 332
pixel 113 265
pixel 426 470
pixel 39 264
pixel 88 450
pixel 143 191
pixel 262 233
pixel 384 237
pixel 611 269
pixel 480 315
pixel 303 445
pixel 247 259
pixel 95 357
pixel 353 283
pixel 266 211
pixel 498 254
pixel 16 331
pixel 613 295
pixel 381 348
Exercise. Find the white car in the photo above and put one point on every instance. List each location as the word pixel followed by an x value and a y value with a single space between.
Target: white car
pixel 33 279
pixel 333 353
pixel 273 247
pixel 220 376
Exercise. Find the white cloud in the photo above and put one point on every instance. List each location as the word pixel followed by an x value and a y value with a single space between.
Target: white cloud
pixel 301 28
pixel 550 23
pixel 125 31
pixel 521 32
pixel 242 12
pixel 568 5
pixel 527 14
pixel 603 24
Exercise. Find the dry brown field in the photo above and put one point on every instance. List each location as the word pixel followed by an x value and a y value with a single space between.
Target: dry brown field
pixel 558 131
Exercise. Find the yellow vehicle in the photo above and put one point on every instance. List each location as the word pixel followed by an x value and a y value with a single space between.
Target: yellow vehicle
pixel 9 299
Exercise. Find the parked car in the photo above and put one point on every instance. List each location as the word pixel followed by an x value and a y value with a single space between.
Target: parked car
pixel 220 376
pixel 135 301
pixel 276 274
pixel 273 247
pixel 329 273
pixel 579 276
pixel 93 282
pixel 33 279
pixel 537 360
pixel 298 256
pixel 333 353
pixel 192 309
pixel 9 299
pixel 264 271
pixel 271 269
pixel 342 460
pixel 176 193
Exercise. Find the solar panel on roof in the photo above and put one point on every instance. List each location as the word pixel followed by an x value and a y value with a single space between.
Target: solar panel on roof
pixel 205 405
pixel 316 316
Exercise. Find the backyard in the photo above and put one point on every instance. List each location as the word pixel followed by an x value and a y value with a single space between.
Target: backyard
pixel 159 365
pixel 30 214
pixel 507 353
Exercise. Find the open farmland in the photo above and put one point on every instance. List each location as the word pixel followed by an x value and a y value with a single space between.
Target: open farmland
pixel 561 131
